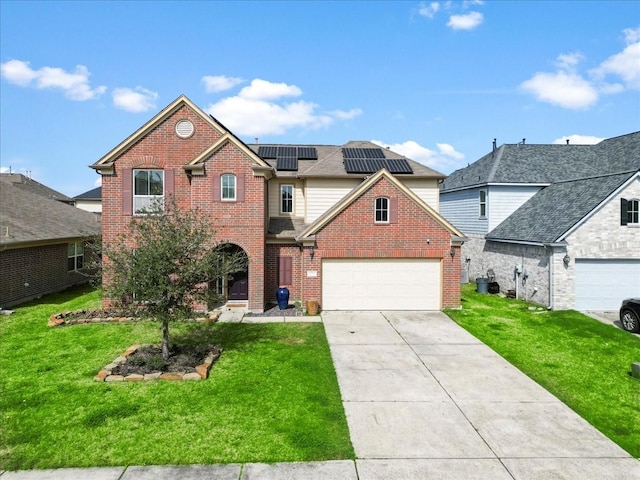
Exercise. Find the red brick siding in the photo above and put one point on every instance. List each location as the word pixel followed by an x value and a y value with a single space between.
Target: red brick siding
pixel 271 283
pixel 43 268
pixel 353 234
pixel 241 223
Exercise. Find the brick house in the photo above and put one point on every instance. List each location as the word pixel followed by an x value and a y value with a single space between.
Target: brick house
pixel 42 240
pixel 558 224
pixel 352 226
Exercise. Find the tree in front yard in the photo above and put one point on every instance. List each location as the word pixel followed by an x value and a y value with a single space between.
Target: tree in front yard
pixel 164 266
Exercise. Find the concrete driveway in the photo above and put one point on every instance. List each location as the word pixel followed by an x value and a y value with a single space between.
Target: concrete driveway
pixel 424 399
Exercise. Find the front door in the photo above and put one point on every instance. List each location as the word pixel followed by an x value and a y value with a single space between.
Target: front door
pixel 239 286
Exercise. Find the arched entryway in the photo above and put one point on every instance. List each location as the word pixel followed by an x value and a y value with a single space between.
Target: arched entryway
pixel 235 286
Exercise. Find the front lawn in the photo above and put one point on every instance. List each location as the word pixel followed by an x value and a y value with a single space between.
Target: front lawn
pixel 272 397
pixel 582 361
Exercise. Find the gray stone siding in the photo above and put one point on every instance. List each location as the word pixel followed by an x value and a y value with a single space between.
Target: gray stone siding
pixel 479 256
pixel 600 236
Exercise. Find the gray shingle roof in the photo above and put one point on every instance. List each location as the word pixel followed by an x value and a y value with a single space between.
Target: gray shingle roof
pixel 31 213
pixel 546 164
pixel 330 162
pixel 555 209
pixel 94 194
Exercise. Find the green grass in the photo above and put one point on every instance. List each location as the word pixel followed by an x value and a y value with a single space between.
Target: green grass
pixel 272 396
pixel 582 361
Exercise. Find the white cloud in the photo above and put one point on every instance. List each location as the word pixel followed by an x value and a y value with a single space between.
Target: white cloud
pixel 134 100
pixel 220 83
pixel 260 109
pixel 569 61
pixel 264 90
pixel 625 65
pixel 98 182
pixel 631 35
pixel 567 90
pixel 75 85
pixel 346 115
pixel 428 10
pixel 467 21
pixel 445 158
pixel 578 140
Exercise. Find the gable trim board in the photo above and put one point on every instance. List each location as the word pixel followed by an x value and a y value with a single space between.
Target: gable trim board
pixel 363 187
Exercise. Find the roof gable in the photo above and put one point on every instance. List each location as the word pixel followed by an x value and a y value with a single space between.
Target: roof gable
pixel 28 218
pixel 352 196
pixel 553 211
pixel 546 164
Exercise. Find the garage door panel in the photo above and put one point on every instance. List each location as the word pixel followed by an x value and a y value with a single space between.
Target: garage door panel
pixel 603 284
pixel 381 284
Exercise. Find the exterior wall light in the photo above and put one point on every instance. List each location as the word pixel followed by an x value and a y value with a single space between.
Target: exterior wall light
pixel 452 252
pixel 312 252
pixel 566 259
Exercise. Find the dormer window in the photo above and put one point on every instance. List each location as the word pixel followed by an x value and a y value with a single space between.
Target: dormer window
pixel 382 210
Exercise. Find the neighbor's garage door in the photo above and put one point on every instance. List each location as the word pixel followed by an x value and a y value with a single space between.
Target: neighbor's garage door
pixel 603 284
pixel 381 284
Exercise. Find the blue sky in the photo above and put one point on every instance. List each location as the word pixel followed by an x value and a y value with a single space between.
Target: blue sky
pixel 437 81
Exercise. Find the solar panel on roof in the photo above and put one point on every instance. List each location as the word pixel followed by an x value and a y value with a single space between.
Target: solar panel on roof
pixel 286 151
pixel 362 153
pixel 287 163
pixel 268 151
pixel 371 165
pixel 307 153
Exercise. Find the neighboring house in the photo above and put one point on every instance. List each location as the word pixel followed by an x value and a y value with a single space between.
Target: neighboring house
pixel 558 224
pixel 352 226
pixel 42 240
pixel 90 201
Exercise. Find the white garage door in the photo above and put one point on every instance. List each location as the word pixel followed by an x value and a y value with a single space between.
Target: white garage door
pixel 381 284
pixel 603 284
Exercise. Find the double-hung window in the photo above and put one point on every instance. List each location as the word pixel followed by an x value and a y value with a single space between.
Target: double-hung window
pixel 75 256
pixel 632 212
pixel 286 198
pixel 148 190
pixel 483 203
pixel 382 210
pixel 228 187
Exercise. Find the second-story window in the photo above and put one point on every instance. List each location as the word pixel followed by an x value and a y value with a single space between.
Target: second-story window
pixel 148 188
pixel 483 203
pixel 228 187
pixel 382 210
pixel 633 212
pixel 286 198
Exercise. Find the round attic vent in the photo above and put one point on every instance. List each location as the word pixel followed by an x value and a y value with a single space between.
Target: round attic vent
pixel 184 128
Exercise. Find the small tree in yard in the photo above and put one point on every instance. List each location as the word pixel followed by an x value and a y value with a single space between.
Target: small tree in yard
pixel 162 267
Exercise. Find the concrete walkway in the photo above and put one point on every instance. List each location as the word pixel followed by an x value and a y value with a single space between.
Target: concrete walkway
pixel 424 400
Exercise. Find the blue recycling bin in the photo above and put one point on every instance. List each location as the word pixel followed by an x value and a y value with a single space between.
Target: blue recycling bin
pixel 282 295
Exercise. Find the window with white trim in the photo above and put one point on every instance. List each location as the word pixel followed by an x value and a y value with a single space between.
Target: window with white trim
pixel 228 187
pixel 482 198
pixel 148 188
pixel 286 198
pixel 75 256
pixel 382 210
pixel 633 212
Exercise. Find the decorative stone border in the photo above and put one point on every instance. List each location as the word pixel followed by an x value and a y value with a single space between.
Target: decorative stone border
pixel 75 318
pixel 202 371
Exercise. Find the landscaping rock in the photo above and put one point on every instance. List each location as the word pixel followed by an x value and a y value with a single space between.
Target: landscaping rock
pixel 191 376
pixel 114 378
pixel 134 377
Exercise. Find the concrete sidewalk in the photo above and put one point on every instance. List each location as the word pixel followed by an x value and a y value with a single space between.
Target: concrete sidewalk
pixel 424 400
